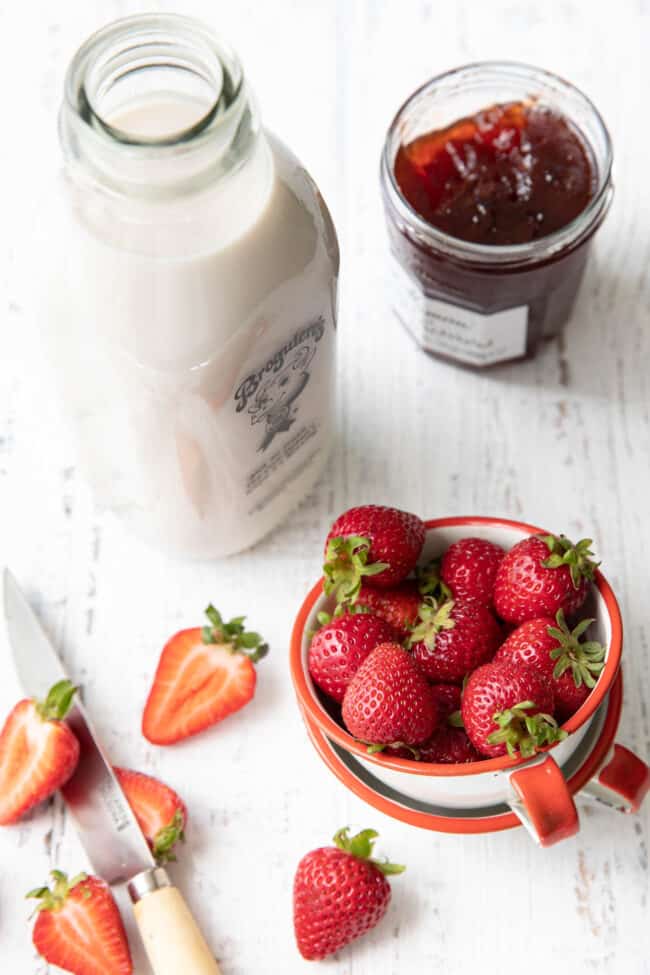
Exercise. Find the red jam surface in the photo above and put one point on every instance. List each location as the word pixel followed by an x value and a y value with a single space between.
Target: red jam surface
pixel 508 175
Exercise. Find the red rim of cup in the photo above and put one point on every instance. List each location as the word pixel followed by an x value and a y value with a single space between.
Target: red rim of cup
pixel 317 714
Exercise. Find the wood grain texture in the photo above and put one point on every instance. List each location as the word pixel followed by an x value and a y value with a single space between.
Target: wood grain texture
pixel 563 441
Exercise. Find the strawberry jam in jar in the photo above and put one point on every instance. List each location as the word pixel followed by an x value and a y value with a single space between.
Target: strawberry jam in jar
pixel 495 177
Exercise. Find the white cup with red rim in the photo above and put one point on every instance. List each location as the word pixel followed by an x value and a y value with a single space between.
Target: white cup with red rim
pixel 496 792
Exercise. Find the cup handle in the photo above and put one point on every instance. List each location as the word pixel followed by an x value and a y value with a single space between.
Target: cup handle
pixel 543 802
pixel 622 782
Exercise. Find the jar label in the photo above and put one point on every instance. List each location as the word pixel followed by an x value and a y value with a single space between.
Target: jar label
pixel 459 333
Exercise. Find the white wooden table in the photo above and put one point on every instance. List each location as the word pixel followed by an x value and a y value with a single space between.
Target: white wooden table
pixel 562 441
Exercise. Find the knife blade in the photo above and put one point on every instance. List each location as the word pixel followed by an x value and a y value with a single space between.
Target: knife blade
pixel 107 827
pixel 105 822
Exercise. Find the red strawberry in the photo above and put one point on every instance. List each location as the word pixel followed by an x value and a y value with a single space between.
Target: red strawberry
pixel 453 638
pixel 339 893
pixel 449 746
pixel 79 927
pixel 38 752
pixel 160 812
pixel 373 542
pixel 203 676
pixel 541 575
pixel 469 568
pixel 339 648
pixel 508 708
pixel 388 700
pixel 557 653
pixel 399 606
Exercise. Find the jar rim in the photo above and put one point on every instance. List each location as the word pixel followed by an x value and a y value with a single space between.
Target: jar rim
pixel 81 104
pixel 455 247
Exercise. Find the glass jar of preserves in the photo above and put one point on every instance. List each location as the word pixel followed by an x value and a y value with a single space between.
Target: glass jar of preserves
pixel 495 177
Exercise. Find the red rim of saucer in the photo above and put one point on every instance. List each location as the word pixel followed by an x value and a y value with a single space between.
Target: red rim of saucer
pixel 457 824
pixel 319 717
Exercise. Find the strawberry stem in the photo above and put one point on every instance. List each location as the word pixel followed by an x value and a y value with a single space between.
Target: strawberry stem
pixel 166 838
pixel 361 846
pixel 578 557
pixel 53 898
pixel 346 564
pixel 585 659
pixel 523 732
pixel 435 616
pixel 233 635
pixel 58 702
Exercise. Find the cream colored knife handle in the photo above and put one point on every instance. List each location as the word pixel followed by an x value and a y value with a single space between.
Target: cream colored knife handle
pixel 171 936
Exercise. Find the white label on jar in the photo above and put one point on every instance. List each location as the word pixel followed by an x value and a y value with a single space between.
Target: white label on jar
pixel 465 335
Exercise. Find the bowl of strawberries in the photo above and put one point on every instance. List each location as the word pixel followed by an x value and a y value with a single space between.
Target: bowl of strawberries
pixel 464 673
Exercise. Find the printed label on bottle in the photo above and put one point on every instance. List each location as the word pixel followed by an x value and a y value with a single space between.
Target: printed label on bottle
pixel 284 403
pixel 447 329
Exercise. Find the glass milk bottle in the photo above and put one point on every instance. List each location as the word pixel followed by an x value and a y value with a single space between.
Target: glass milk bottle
pixel 194 333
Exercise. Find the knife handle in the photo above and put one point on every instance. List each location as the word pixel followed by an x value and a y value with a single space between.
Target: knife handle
pixel 170 935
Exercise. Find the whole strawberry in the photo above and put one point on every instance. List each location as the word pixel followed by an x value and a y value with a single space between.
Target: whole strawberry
pixel 399 606
pixel 558 654
pixel 541 575
pixel 509 709
pixel 388 700
pixel 339 893
pixel 339 648
pixel 449 744
pixel 453 638
pixel 373 542
pixel 469 568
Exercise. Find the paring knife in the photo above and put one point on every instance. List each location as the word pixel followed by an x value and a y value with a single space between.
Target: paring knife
pixel 107 827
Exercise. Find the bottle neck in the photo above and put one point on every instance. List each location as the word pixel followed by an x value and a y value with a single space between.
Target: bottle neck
pixel 155 107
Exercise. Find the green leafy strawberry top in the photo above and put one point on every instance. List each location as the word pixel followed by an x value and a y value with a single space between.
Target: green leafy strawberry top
pixel 233 635
pixel 435 616
pixel 586 659
pixel 53 898
pixel 166 839
pixel 58 702
pixel 525 733
pixel 346 565
pixel 579 557
pixel 361 845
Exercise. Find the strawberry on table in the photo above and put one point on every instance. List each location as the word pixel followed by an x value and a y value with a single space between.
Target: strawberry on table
pixel 469 568
pixel 541 575
pixel 571 665
pixel 204 674
pixel 79 928
pixel 339 648
pixel 339 893
pixel 38 752
pixel 399 606
pixel 160 812
pixel 509 709
pixel 379 544
pixel 388 701
pixel 453 637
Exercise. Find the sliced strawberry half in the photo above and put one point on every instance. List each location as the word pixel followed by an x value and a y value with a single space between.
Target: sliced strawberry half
pixel 204 674
pixel 160 812
pixel 79 928
pixel 38 752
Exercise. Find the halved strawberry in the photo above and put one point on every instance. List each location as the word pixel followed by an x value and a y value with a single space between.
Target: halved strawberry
pixel 79 927
pixel 38 752
pixel 160 812
pixel 204 674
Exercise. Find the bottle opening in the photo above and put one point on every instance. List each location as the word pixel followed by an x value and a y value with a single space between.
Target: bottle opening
pixel 153 80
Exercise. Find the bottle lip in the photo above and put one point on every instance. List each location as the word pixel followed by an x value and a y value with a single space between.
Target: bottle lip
pixel 130 163
pixel 509 254
pixel 156 27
